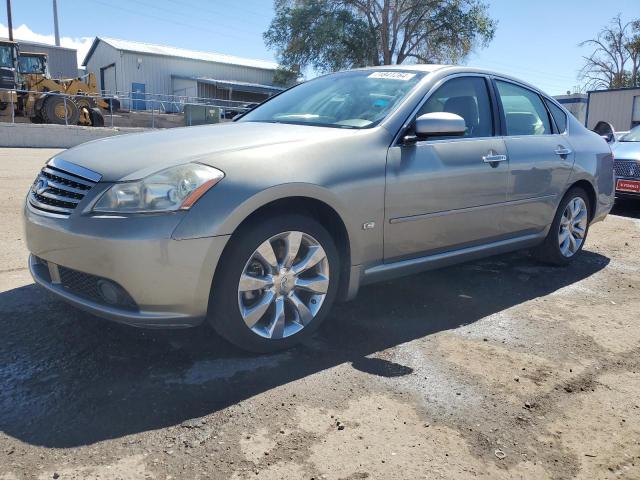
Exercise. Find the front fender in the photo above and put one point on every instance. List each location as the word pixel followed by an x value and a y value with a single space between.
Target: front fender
pixel 222 212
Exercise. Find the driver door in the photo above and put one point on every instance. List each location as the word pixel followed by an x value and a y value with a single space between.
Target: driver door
pixel 443 193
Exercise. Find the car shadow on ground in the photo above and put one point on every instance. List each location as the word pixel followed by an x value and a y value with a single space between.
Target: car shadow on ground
pixel 627 207
pixel 69 379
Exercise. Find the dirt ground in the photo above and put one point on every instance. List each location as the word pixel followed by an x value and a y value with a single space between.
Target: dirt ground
pixel 496 369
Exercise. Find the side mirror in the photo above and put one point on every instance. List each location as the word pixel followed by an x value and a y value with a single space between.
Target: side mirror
pixel 606 131
pixel 440 124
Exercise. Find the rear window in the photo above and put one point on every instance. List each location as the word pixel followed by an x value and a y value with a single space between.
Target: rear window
pixel 524 112
pixel 558 116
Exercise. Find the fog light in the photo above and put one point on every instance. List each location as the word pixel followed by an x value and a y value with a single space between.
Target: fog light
pixel 109 291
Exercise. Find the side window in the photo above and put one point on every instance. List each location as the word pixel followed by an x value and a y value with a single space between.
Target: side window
pixel 467 97
pixel 524 112
pixel 558 116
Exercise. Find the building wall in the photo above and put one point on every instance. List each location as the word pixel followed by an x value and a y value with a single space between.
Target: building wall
pixel 576 104
pixel 155 71
pixel 103 56
pixel 63 62
pixel 185 87
pixel 615 107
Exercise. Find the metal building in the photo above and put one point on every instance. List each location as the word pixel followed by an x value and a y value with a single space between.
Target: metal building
pixel 63 62
pixel 619 106
pixel 576 103
pixel 144 74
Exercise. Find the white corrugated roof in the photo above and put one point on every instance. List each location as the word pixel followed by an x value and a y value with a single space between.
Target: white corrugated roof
pixel 152 49
pixel 37 44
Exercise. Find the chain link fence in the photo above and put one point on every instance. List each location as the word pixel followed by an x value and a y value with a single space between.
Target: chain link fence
pixel 121 109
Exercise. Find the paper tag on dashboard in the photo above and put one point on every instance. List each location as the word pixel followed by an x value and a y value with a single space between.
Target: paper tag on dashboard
pixel 404 76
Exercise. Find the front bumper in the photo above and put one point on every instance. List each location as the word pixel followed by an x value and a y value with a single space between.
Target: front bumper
pixel 168 280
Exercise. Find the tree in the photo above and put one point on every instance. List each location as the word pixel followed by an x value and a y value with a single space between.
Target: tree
pixel 615 60
pixel 285 77
pixel 331 35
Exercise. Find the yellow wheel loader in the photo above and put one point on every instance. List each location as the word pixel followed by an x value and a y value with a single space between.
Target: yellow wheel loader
pixel 8 78
pixel 40 98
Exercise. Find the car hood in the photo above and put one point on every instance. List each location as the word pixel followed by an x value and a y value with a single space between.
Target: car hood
pixel 134 156
pixel 626 150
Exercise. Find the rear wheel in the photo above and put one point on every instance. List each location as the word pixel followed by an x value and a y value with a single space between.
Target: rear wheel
pixel 276 283
pixel 568 231
pixel 85 101
pixel 113 104
pixel 96 117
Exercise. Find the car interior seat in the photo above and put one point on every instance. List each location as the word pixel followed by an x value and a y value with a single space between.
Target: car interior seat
pixel 521 123
pixel 467 108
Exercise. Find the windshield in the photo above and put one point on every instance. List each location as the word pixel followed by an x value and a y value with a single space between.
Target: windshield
pixel 356 99
pixel 6 56
pixel 632 136
pixel 31 64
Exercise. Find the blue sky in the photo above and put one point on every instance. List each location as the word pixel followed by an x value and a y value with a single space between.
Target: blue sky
pixel 535 40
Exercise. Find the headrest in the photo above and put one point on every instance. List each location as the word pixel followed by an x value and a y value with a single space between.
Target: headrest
pixel 466 107
pixel 521 123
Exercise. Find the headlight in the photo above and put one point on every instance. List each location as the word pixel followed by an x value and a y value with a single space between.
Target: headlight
pixel 176 188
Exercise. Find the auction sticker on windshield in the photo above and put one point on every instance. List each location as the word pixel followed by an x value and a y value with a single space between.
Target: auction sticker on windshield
pixel 628 186
pixel 404 76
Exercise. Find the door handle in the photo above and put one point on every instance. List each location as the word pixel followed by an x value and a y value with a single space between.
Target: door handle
pixel 493 158
pixel 562 150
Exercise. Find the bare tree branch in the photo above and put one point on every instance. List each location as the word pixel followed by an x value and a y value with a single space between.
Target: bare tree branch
pixel 616 47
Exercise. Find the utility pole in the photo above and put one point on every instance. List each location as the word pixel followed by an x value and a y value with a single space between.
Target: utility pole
pixel 9 22
pixel 55 22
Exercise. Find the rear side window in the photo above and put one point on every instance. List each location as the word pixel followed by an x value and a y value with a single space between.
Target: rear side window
pixel 524 112
pixel 467 97
pixel 558 116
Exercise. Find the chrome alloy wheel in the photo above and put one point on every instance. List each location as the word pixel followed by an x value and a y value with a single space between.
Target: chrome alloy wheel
pixel 573 227
pixel 283 285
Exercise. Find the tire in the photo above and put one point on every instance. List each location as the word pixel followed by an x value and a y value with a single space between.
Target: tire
pixel 53 111
pixel 552 251
pixel 287 293
pixel 97 119
pixel 113 104
pixel 85 101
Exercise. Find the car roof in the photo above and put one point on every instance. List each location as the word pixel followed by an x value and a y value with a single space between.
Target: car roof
pixel 442 69
pixel 431 68
pixel 416 67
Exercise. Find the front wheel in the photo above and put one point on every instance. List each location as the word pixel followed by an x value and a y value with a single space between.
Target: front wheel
pixel 59 110
pixel 568 231
pixel 276 283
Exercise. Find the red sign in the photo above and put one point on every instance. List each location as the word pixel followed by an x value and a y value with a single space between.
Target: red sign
pixel 628 186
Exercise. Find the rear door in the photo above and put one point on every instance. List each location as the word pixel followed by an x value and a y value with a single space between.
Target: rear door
pixel 540 158
pixel 443 193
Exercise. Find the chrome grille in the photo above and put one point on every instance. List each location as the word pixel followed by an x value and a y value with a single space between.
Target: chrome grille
pixel 626 168
pixel 60 186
